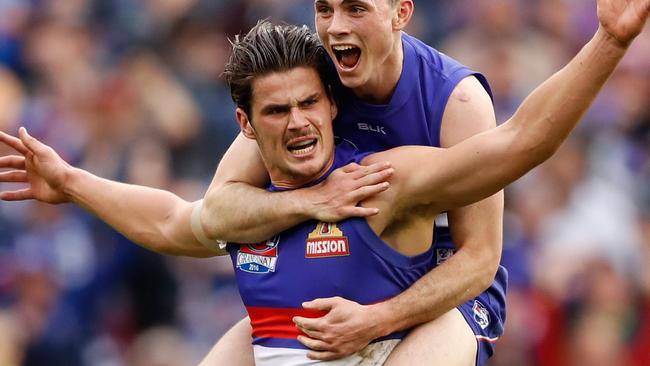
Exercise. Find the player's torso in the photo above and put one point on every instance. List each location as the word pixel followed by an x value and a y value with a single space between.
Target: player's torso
pixel 317 260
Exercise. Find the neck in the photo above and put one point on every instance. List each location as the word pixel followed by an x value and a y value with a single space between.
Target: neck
pixel 289 180
pixel 381 86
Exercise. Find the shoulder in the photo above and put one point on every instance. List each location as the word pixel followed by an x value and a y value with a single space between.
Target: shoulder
pixel 442 65
pixel 469 110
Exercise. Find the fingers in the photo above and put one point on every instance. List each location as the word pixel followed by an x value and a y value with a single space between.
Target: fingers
pixel 12 161
pixel 315 344
pixel 376 176
pixel 364 192
pixel 371 169
pixel 23 194
pixel 351 168
pixel 319 304
pixel 30 142
pixel 324 356
pixel 360 212
pixel 307 325
pixel 13 176
pixel 14 142
pixel 312 333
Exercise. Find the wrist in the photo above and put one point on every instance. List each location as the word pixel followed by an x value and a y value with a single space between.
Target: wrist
pixel 611 42
pixel 304 206
pixel 385 317
pixel 71 180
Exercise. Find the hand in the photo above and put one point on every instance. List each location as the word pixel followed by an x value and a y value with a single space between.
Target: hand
pixel 347 328
pixel 623 20
pixel 38 165
pixel 337 197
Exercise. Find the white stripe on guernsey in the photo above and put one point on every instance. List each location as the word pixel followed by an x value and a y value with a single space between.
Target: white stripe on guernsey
pixel 374 354
pixel 442 220
pixel 487 339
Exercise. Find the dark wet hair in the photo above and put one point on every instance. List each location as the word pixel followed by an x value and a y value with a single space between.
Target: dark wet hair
pixel 269 48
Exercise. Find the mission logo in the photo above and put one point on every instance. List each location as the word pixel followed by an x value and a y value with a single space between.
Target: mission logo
pixel 259 258
pixel 327 240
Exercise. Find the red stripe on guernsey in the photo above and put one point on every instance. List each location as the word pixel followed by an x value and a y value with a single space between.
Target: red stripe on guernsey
pixel 277 322
pixel 487 339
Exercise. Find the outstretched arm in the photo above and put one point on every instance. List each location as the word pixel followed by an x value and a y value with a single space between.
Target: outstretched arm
pixel 236 209
pixel 483 164
pixel 153 218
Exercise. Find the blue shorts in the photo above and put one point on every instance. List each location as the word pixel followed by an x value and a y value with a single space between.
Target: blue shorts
pixel 486 315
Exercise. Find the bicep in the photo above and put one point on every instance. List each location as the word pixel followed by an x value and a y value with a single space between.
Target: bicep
pixel 241 163
pixel 449 178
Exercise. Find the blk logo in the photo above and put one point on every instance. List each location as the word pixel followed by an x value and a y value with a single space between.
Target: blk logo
pixel 368 127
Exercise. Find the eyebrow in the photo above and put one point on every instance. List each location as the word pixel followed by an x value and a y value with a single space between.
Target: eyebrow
pixel 269 107
pixel 344 2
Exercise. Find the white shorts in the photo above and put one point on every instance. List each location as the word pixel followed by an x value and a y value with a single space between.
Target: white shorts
pixel 373 355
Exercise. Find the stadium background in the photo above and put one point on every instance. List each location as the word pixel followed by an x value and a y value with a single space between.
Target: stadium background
pixel 130 90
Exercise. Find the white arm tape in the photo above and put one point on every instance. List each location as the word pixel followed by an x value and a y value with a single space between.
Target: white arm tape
pixel 199 234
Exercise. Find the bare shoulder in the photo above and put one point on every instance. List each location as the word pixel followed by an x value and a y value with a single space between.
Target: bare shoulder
pixel 469 111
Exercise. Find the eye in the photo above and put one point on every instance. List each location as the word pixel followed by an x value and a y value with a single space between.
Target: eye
pixel 275 110
pixel 323 10
pixel 308 102
pixel 357 10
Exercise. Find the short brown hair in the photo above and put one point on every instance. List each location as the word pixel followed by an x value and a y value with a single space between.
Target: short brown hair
pixel 268 48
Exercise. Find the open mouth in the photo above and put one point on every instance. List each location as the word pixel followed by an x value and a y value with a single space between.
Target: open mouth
pixel 302 147
pixel 347 55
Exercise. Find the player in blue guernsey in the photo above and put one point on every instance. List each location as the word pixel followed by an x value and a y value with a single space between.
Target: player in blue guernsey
pixel 285 107
pixel 394 91
pixel 288 112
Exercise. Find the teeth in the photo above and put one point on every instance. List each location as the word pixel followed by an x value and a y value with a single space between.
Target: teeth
pixel 342 48
pixel 303 147
pixel 303 151
pixel 304 143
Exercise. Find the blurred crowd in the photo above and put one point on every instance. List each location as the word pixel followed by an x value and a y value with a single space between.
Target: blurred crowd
pixel 131 90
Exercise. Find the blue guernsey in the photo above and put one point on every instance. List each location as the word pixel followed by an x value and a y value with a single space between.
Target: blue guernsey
pixel 318 260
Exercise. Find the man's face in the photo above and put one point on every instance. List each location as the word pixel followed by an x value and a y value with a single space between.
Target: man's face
pixel 358 35
pixel 292 122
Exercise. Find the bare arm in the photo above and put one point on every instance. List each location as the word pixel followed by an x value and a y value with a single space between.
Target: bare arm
pixel 153 218
pixel 477 229
pixel 236 209
pixel 483 164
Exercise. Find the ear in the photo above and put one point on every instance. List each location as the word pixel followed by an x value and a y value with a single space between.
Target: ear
pixel 245 124
pixel 334 110
pixel 403 14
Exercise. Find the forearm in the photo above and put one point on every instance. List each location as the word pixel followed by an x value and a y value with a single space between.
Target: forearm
pixel 453 282
pixel 477 231
pixel 486 163
pixel 241 213
pixel 553 109
pixel 155 219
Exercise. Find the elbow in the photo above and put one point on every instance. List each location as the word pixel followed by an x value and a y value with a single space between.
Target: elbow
pixel 534 147
pixel 489 265
pixel 212 214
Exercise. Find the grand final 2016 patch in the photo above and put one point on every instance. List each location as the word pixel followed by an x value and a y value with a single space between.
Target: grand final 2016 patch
pixel 259 258
pixel 327 240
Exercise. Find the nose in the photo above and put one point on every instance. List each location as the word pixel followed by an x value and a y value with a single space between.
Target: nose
pixel 297 119
pixel 338 25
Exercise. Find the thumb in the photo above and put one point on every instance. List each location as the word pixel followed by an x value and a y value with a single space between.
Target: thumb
pixel 320 304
